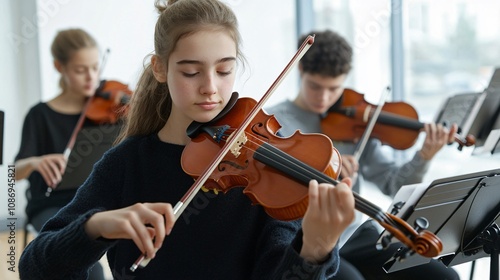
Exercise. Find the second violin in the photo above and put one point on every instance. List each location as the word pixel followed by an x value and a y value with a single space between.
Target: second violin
pixel 397 125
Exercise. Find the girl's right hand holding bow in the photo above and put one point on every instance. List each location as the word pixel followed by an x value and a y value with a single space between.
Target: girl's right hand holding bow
pixel 146 224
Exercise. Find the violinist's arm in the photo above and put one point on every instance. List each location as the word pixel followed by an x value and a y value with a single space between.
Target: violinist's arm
pixel 24 167
pixel 436 137
pixel 388 176
pixel 330 211
pixel 51 167
pixel 381 170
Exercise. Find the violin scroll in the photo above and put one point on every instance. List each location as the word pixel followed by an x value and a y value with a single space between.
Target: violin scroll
pixel 466 141
pixel 418 239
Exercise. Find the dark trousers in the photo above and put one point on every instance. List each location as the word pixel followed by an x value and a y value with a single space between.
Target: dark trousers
pixel 360 259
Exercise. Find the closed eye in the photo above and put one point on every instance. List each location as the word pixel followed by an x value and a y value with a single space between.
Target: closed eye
pixel 225 73
pixel 314 87
pixel 189 75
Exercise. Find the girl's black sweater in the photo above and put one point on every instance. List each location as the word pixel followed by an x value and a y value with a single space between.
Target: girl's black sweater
pixel 218 236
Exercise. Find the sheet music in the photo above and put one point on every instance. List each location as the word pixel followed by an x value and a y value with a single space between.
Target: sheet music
pixel 491 143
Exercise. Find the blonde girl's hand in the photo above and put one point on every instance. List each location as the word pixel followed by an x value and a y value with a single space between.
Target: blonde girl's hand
pixel 330 211
pixel 436 137
pixel 51 167
pixel 131 223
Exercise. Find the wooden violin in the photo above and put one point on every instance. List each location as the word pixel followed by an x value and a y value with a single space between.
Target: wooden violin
pixel 397 125
pixel 109 102
pixel 107 106
pixel 275 171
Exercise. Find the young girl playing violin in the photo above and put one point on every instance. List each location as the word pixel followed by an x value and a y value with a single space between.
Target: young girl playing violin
pixel 323 70
pixel 48 127
pixel 125 206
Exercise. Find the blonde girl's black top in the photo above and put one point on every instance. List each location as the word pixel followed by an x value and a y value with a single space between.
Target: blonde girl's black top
pixel 45 131
pixel 218 236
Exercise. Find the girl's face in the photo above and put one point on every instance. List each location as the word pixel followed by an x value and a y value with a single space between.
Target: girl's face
pixel 201 74
pixel 81 73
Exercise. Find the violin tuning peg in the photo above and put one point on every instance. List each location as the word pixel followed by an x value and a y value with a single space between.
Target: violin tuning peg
pixel 408 254
pixel 385 242
pixel 421 223
pixel 403 253
pixel 396 207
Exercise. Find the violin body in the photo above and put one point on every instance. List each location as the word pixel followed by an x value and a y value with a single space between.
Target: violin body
pixel 350 122
pixel 282 197
pixel 109 102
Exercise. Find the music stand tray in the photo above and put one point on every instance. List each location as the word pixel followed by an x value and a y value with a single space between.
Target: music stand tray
pixel 459 209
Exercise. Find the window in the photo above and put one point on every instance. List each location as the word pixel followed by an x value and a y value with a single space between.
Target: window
pixel 366 26
pixel 451 47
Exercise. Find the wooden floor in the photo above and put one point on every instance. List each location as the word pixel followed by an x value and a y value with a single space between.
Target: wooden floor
pixel 8 272
pixel 481 271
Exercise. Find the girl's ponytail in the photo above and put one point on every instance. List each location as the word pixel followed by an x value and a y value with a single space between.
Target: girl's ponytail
pixel 150 107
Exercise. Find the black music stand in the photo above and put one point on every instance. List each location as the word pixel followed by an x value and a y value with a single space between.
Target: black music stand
pixel 463 212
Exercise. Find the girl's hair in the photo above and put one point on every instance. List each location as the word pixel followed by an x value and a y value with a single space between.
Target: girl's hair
pixel 67 42
pixel 151 103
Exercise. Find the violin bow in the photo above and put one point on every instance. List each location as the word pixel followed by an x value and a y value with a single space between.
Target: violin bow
pixel 79 124
pixel 237 139
pixel 371 124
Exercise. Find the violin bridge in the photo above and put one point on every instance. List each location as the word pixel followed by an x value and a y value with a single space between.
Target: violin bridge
pixel 236 147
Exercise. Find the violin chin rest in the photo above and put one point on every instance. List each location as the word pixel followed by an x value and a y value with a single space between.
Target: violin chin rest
pixel 194 128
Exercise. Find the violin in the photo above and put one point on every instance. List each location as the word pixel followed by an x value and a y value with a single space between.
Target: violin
pixel 240 147
pixel 107 106
pixel 276 171
pixel 109 102
pixel 397 125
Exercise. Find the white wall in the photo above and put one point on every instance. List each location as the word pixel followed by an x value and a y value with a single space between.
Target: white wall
pixel 126 27
pixel 20 85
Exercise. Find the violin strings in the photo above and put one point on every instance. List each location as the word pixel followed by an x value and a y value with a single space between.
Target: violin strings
pixel 365 206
